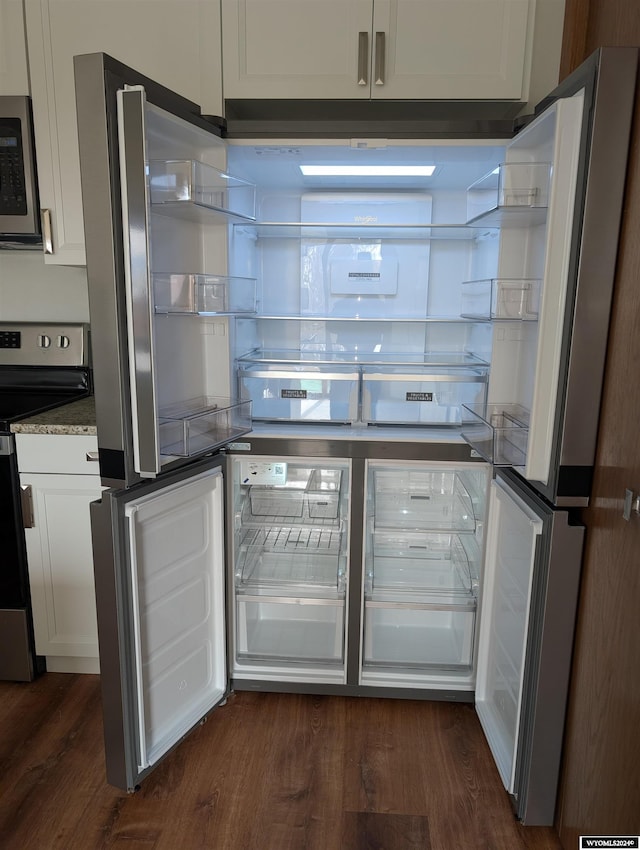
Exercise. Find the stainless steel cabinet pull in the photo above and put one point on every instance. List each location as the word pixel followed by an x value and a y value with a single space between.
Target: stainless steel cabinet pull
pixel 93 456
pixel 380 59
pixel 363 58
pixel 47 237
pixel 26 501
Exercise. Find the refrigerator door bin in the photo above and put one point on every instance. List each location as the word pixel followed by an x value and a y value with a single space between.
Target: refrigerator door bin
pixel 201 424
pixel 204 294
pixel 422 500
pixel 498 432
pixel 419 635
pixel 408 395
pixel 289 629
pixel 500 299
pixel 301 393
pixel 516 194
pixel 296 559
pixel 189 187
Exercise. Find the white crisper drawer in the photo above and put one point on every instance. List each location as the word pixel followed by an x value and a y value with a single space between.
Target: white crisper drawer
pixel 412 395
pixel 414 636
pixel 290 629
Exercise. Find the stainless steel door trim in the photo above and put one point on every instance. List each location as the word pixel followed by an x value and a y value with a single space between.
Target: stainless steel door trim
pixel 7 445
pixel 363 58
pixel 135 206
pixel 380 60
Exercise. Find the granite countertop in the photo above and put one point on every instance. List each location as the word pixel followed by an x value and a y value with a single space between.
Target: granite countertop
pixel 78 417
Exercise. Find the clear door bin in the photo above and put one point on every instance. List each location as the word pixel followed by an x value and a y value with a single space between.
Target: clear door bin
pixel 410 395
pixel 201 424
pixel 422 500
pixel 498 432
pixel 501 299
pixel 514 193
pixel 296 393
pixel 438 636
pixel 178 185
pixel 290 629
pixel 203 294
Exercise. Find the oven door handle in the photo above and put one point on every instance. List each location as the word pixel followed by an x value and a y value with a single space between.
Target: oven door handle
pixel 26 502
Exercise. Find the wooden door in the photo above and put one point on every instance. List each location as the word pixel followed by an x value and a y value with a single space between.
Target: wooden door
pixel 602 745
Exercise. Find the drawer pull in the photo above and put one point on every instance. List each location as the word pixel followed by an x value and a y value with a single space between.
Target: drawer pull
pixel 26 503
pixel 93 456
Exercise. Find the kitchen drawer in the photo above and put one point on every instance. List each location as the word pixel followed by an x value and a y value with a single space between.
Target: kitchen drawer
pixel 72 454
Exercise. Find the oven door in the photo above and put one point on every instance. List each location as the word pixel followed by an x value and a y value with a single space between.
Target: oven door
pixel 18 661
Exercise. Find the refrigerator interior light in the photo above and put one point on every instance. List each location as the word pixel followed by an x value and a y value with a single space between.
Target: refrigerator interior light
pixel 367 170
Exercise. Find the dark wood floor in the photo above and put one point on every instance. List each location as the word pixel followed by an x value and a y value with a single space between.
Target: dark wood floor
pixel 266 772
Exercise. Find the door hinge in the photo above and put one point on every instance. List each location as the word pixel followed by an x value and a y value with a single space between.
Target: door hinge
pixel 26 500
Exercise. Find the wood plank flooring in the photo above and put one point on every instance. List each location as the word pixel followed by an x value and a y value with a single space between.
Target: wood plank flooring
pixel 265 772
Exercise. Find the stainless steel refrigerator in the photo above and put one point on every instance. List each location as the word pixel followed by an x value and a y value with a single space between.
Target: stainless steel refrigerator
pixel 194 318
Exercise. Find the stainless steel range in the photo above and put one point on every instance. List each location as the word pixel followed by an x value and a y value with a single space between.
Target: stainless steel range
pixel 42 366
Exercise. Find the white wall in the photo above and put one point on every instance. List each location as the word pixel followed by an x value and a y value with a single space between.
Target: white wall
pixel 31 291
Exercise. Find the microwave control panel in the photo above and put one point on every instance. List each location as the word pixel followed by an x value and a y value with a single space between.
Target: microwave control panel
pixel 13 199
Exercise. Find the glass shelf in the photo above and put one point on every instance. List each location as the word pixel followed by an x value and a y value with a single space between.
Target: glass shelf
pixel 501 299
pixel 312 317
pixel 516 194
pixel 203 294
pixel 201 424
pixel 443 359
pixel 498 432
pixel 370 232
pixel 193 189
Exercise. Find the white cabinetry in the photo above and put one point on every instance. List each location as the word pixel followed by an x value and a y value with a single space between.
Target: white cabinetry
pixel 62 481
pixel 379 49
pixel 14 76
pixel 171 42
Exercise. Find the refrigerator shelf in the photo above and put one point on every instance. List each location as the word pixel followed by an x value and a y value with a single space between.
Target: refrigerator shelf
pixel 501 299
pixel 498 432
pixel 420 567
pixel 439 359
pixel 201 424
pixel 516 194
pixel 349 231
pixel 204 294
pixel 194 190
pixel 422 500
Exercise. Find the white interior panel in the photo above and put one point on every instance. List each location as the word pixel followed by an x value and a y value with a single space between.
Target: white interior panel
pixel 513 529
pixel 177 585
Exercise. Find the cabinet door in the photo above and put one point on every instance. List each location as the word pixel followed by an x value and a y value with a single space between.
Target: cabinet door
pixel 14 78
pixel 449 49
pixel 296 48
pixel 61 567
pixel 174 43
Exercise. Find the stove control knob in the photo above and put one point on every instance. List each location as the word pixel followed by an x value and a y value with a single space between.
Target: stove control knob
pixel 44 341
pixel 63 342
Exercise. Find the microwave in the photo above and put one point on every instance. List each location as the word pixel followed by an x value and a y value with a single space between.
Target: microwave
pixel 19 208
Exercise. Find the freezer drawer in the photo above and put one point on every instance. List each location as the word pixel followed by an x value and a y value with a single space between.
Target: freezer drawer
pixel 289 629
pixel 321 394
pixel 421 636
pixel 405 396
pixel 308 495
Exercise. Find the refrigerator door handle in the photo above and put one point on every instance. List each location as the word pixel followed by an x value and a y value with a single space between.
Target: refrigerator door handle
pixel 380 59
pixel 135 219
pixel 363 58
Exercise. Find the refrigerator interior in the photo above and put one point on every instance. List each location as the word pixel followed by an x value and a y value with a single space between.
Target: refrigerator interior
pixel 290 558
pixel 423 567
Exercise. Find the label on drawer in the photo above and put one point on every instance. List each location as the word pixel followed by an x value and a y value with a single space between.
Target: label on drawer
pixel 293 393
pixel 419 397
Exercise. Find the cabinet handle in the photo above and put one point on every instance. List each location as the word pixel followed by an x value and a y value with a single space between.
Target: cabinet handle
pixel 363 58
pixel 93 456
pixel 47 238
pixel 380 58
pixel 26 501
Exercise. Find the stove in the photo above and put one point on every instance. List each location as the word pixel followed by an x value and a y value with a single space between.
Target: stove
pixel 42 366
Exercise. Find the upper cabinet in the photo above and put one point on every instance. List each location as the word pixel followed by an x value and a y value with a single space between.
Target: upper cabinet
pixel 171 41
pixel 14 76
pixel 377 49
